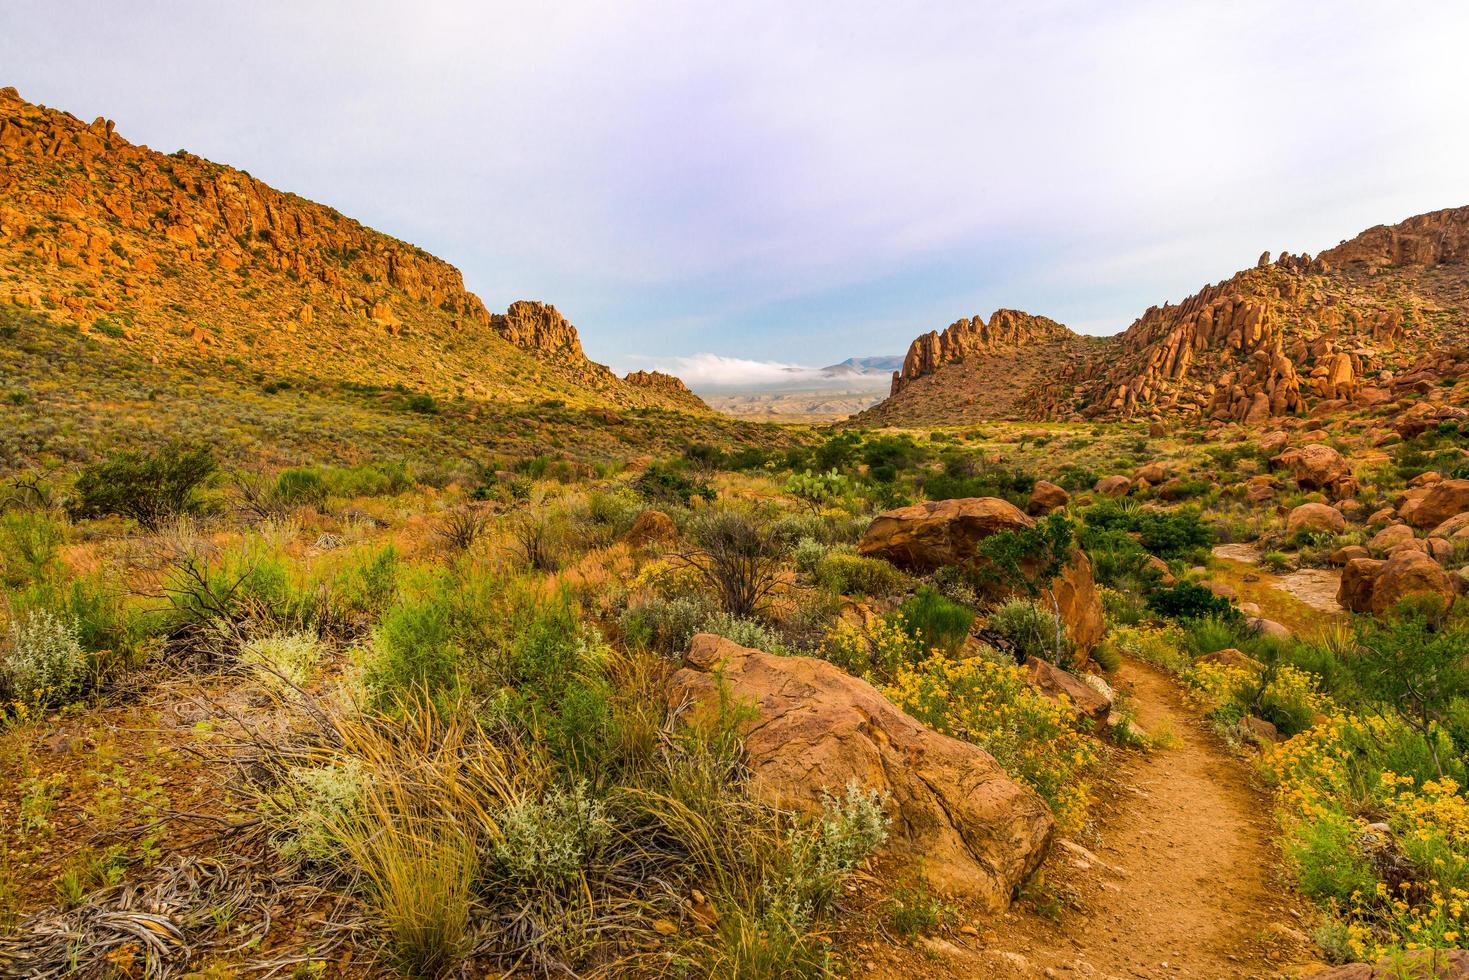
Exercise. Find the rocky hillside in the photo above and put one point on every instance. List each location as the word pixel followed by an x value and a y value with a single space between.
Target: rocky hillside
pixel 196 263
pixel 1005 368
pixel 1352 328
pixel 1341 330
pixel 670 387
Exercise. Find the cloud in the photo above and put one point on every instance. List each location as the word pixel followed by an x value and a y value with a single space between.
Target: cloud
pixel 716 372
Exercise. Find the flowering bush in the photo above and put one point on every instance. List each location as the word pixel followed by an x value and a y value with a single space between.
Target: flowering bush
pixel 1034 738
pixel 1384 892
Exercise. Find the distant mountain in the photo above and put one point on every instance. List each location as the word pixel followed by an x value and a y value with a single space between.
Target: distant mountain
pixel 882 364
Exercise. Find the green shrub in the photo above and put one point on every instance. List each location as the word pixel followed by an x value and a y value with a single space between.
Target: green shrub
pixel 1207 634
pixel 661 484
pixel 807 555
pixel 1329 867
pixel 664 625
pixel 301 487
pixel 912 911
pixel 549 841
pixel 29 540
pixel 935 622
pixel 1033 630
pixel 844 573
pixel 745 632
pixel 1169 534
pixel 43 664
pixel 1188 600
pixel 148 487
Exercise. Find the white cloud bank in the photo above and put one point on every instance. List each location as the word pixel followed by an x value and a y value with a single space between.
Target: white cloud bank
pixel 717 372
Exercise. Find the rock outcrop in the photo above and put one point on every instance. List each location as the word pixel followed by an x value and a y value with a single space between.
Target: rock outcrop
pixel 957 819
pixel 963 339
pixel 192 261
pixel 935 533
pixel 667 385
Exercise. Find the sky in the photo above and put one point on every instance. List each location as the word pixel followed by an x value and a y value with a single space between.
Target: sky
pixel 741 185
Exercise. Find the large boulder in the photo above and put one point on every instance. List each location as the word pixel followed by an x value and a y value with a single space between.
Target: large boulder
pixel 1358 579
pixel 1078 603
pixel 1113 486
pixel 1056 683
pixel 937 533
pixel 1315 519
pixel 1455 527
pixel 1438 503
pixel 1319 467
pixel 1391 537
pixel 967 828
pixel 1046 497
pixel 1410 573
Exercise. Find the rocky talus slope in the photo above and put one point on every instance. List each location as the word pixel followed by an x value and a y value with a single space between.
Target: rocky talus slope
pixel 197 262
pixel 1355 327
pixel 975 369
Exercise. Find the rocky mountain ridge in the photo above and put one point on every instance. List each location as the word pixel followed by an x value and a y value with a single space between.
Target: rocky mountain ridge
pixel 1348 329
pixel 193 259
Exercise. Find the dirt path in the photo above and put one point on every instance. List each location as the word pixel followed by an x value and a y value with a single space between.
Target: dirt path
pixel 1182 882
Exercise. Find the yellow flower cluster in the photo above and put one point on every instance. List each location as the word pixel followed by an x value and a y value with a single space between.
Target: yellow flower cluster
pixel 1322 780
pixel 1034 738
pixel 872 652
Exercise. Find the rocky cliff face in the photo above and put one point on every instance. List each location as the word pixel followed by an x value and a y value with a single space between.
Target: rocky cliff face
pixel 196 260
pixel 962 339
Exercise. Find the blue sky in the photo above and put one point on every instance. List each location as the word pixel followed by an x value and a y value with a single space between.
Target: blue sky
pixel 797 182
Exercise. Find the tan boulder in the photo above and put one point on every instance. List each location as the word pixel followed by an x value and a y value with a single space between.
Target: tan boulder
pixel 1424 479
pixel 650 526
pixel 957 818
pixel 1381 517
pixel 1409 573
pixel 1345 554
pixel 1358 580
pixel 935 533
pixel 1079 603
pixel 1319 467
pixel 1454 527
pixel 1390 537
pixel 1315 519
pixel 1046 497
pixel 1153 473
pixel 1272 443
pixel 1055 683
pixel 1259 489
pixel 1267 627
pixel 1439 502
pixel 1229 657
pixel 1113 486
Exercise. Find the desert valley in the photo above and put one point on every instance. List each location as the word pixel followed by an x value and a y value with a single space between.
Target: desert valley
pixel 351 627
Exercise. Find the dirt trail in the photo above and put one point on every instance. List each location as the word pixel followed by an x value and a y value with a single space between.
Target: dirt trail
pixel 1183 881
